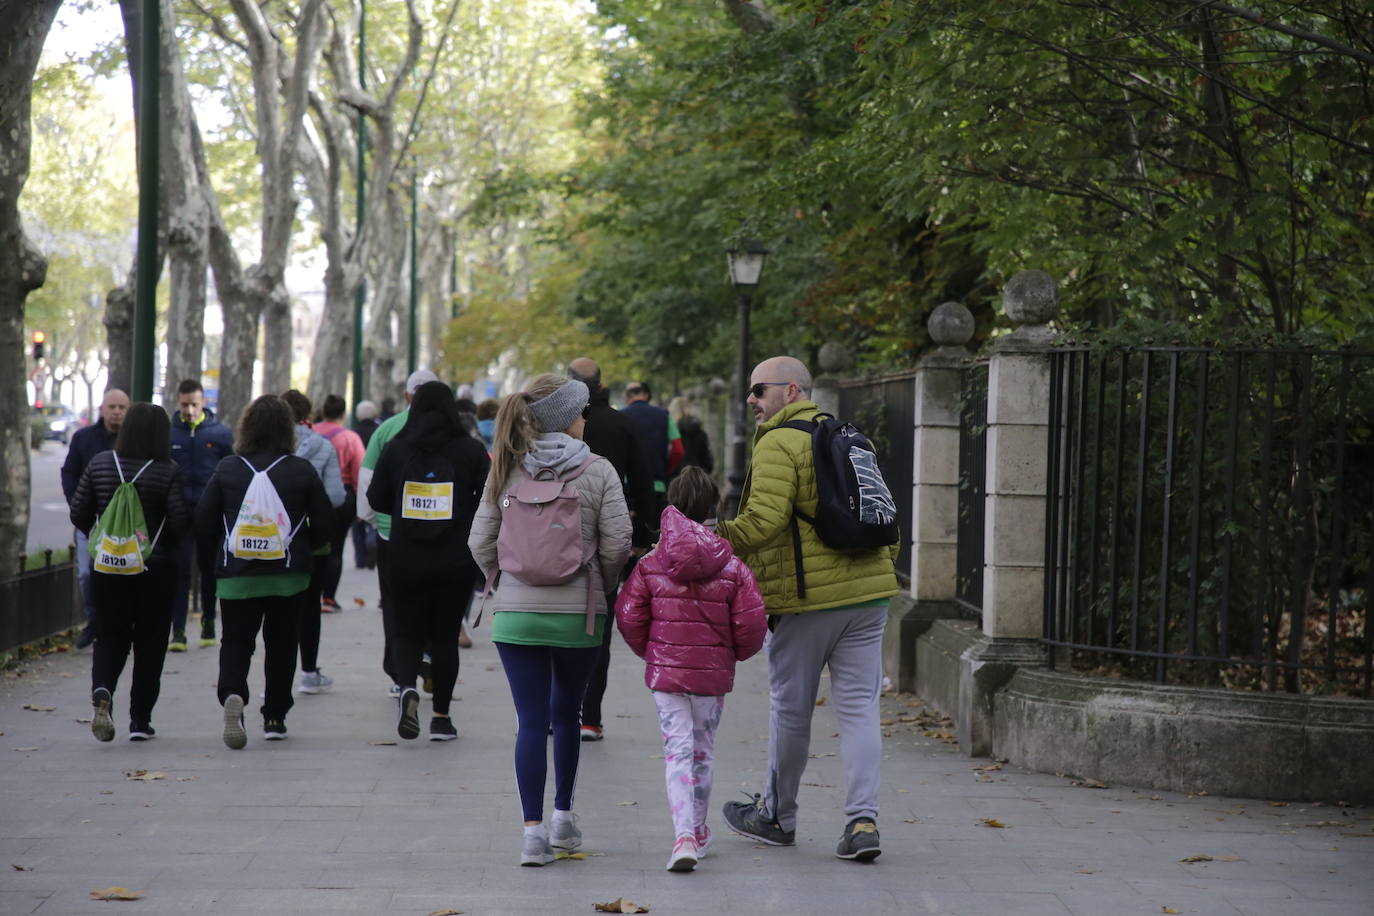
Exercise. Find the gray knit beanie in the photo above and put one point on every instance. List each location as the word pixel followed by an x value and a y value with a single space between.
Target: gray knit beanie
pixel 557 410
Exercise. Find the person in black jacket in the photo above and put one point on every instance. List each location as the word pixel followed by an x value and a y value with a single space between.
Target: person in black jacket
pixel 261 593
pixel 432 568
pixel 133 610
pixel 611 434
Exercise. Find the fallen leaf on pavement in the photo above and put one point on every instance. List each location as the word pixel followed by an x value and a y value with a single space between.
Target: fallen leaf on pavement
pixel 626 804
pixel 1206 858
pixel 1168 909
pixel 826 754
pixel 1278 804
pixel 990 822
pixel 84 721
pixel 21 867
pixel 910 820
pixel 620 905
pixel 144 775
pixel 360 602
pixel 446 913
pixel 26 748
pixel 382 743
pixel 1089 784
pixel 820 701
pixel 37 708
pixel 571 855
pixel 187 778
pixel 115 893
pixel 987 768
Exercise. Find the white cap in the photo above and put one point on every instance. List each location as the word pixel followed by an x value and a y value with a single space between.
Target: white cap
pixel 418 378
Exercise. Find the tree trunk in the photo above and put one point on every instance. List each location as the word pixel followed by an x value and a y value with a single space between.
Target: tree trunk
pixel 24 26
pixel 334 341
pixel 277 339
pixel 119 335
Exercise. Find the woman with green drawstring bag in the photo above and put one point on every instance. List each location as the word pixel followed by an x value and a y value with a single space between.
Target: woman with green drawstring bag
pixel 129 502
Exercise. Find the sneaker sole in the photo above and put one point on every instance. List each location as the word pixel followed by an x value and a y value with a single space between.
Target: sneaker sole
pixel 567 844
pixel 682 863
pixel 102 724
pixel 140 736
pixel 273 736
pixel 208 643
pixel 862 855
pixel 536 861
pixel 409 725
pixel 441 737
pixel 311 690
pixel 235 738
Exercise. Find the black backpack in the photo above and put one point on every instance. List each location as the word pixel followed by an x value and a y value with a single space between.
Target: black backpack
pixel 854 507
pixel 425 499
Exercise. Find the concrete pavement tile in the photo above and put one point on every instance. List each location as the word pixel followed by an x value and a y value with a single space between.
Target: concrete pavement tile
pixel 1187 901
pixel 306 899
pixel 22 901
pixel 1288 906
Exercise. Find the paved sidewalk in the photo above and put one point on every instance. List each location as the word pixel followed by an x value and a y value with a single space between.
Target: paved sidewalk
pixel 345 817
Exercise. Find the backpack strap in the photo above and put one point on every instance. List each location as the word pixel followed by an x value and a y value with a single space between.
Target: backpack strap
pixel 333 432
pixel 808 427
pixel 136 476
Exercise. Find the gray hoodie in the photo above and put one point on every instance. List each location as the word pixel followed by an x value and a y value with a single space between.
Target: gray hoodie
pixel 322 456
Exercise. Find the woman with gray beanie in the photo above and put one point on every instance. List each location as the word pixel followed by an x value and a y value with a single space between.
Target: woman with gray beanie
pixel 547 623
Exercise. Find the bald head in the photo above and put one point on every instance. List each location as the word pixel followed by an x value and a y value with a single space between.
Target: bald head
pixel 775 383
pixel 585 370
pixel 113 408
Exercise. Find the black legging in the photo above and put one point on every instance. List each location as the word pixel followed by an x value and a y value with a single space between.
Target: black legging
pixel 309 633
pixel 428 613
pixel 331 567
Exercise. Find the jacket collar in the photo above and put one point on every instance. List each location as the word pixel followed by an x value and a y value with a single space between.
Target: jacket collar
pixel 793 411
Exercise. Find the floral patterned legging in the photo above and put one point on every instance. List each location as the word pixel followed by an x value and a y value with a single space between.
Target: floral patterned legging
pixel 689 735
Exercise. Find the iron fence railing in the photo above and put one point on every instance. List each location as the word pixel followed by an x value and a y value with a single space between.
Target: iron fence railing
pixel 1210 516
pixel 884 408
pixel 973 462
pixel 40 602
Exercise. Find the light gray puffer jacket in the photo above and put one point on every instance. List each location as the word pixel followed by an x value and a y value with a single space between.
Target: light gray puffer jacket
pixel 324 458
pixel 605 518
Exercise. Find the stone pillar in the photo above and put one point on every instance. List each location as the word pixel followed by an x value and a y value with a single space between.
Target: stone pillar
pixel 935 494
pixel 835 361
pixel 1014 545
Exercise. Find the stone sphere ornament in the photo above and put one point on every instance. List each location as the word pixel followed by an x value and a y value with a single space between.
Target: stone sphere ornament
pixel 950 325
pixel 835 358
pixel 1031 297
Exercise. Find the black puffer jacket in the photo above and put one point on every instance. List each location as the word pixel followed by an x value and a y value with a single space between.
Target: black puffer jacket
pixel 467 454
pixel 159 490
pixel 610 434
pixel 302 495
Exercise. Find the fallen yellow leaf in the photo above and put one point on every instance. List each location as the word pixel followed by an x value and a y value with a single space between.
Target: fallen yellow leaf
pixel 1168 909
pixel 820 701
pixel 620 905
pixel 144 775
pixel 115 893
pixel 446 913
pixel 360 602
pixel 571 855
pixel 1090 783
pixel 990 822
pixel 626 804
pixel 36 708
pixel 21 867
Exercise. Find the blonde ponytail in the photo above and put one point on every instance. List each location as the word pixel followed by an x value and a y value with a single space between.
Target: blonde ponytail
pixel 515 432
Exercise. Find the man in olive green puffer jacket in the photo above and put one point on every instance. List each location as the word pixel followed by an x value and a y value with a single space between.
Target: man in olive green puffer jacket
pixel 837 621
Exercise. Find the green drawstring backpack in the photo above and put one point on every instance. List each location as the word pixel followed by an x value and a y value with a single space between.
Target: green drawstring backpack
pixel 119 542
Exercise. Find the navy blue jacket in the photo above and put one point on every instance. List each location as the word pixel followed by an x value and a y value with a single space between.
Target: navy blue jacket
pixel 651 425
pixel 86 443
pixel 198 452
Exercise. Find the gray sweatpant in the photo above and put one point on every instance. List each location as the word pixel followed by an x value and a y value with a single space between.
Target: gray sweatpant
pixel 850 641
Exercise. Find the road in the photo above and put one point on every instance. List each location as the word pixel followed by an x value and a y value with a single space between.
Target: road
pixel 48 522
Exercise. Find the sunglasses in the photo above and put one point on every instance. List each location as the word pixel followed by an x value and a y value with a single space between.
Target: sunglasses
pixel 587 412
pixel 758 388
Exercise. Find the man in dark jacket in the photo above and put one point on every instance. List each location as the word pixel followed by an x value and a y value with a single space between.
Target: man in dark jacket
pixel 88 442
pixel 658 437
pixel 199 442
pixel 611 434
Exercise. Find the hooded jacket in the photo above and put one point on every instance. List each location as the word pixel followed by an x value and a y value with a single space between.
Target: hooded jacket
pixel 605 522
pixel 322 456
pixel 447 554
pixel 782 475
pixel 690 609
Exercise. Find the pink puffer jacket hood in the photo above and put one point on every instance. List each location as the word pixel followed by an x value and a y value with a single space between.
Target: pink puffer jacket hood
pixel 691 609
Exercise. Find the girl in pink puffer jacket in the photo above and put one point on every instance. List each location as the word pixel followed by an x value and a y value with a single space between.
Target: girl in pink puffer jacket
pixel 690 609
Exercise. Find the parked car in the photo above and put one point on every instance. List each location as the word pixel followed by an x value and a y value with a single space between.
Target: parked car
pixel 61 422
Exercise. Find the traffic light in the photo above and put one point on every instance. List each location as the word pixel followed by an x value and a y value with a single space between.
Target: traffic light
pixel 38 338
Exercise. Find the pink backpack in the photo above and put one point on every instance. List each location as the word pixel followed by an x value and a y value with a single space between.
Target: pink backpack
pixel 541 528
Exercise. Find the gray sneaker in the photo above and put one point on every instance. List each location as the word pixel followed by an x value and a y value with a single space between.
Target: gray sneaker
pixel 536 850
pixel 235 737
pixel 748 819
pixel 315 682
pixel 102 725
pixel 860 841
pixel 566 834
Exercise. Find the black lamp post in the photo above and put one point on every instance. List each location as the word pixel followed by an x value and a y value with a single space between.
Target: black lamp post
pixel 746 264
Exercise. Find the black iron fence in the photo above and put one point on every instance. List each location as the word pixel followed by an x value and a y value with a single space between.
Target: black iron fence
pixel 885 409
pixel 1211 516
pixel 973 463
pixel 40 602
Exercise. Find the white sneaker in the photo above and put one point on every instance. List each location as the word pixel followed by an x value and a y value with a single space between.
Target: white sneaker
pixel 566 835
pixel 703 838
pixel 684 857
pixel 536 850
pixel 394 691
pixel 315 682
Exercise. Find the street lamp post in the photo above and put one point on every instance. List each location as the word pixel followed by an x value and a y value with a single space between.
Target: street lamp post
pixel 746 264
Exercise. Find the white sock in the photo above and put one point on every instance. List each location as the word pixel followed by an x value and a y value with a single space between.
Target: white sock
pixel 536 830
pixel 562 817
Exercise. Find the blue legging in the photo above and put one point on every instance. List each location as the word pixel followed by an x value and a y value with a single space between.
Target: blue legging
pixel 546 683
